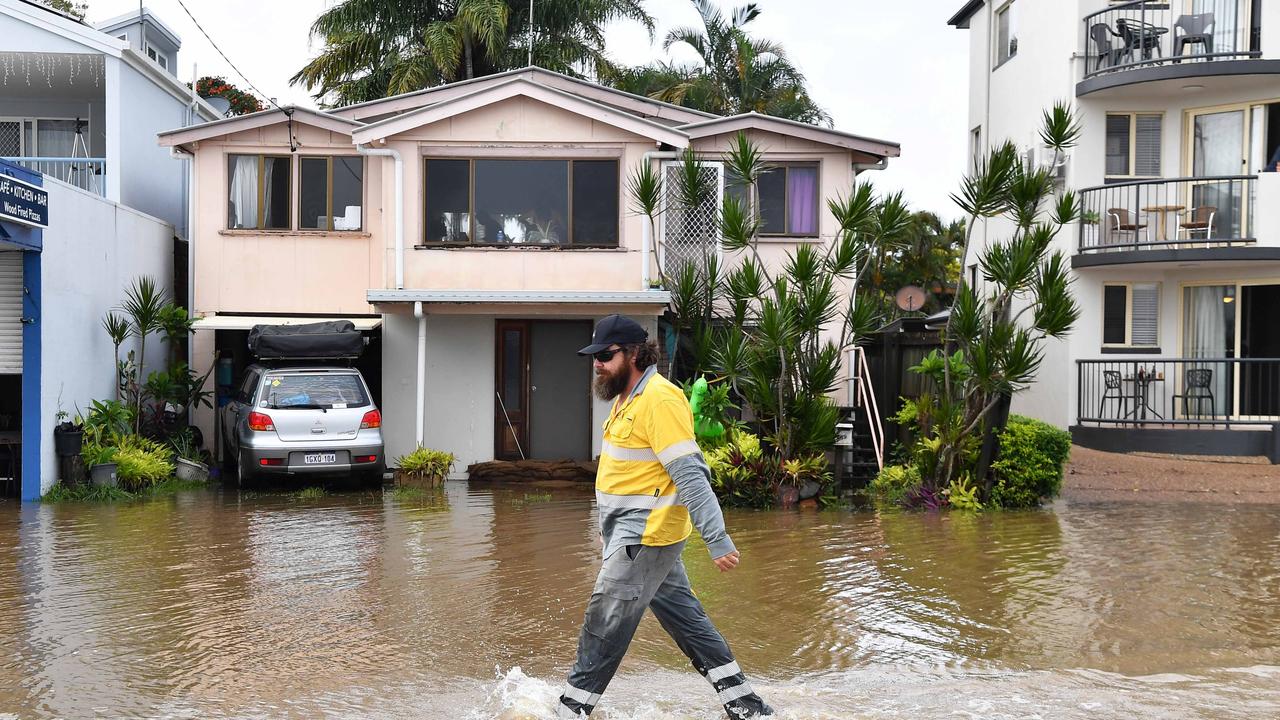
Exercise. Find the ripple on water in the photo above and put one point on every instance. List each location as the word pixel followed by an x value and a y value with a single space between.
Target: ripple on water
pixel 363 606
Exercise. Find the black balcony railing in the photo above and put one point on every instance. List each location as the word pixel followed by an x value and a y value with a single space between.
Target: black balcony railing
pixel 1182 391
pixel 1173 213
pixel 1145 33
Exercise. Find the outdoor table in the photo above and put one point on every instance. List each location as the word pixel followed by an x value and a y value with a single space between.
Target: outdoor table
pixel 1162 225
pixel 1142 391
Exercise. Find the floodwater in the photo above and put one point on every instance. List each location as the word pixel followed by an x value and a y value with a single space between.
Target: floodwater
pixel 466 604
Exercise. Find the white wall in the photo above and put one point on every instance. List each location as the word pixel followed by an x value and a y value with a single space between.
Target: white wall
pixel 93 250
pixel 151 180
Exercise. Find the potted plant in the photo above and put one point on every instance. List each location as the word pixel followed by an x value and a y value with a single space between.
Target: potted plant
pixel 102 466
pixel 68 437
pixel 423 467
pixel 187 459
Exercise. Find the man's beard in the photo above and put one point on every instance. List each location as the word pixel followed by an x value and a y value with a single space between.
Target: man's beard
pixel 610 386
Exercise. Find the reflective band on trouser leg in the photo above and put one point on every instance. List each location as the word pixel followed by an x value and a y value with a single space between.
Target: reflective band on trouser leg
pixel 576 702
pixel 724 671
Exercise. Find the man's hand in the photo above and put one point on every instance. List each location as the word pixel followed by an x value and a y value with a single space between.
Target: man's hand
pixel 727 562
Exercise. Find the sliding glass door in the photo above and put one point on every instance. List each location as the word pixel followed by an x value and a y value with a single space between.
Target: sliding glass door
pixel 1208 332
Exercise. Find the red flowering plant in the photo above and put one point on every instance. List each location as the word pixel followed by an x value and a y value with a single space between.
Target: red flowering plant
pixel 242 102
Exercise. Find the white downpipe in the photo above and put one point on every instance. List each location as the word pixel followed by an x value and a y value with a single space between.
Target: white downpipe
pixel 399 210
pixel 421 389
pixel 646 247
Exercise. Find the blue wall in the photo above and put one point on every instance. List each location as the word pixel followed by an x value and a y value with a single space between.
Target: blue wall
pixel 30 240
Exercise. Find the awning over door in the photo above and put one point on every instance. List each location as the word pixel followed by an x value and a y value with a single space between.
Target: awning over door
pixel 246 322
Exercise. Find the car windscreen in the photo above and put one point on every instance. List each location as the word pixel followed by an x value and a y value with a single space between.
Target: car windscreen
pixel 313 391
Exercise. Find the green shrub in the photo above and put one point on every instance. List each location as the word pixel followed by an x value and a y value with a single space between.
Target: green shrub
pixel 427 462
pixel 140 462
pixel 1029 468
pixel 894 482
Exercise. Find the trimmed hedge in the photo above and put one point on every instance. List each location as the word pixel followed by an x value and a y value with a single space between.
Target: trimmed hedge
pixel 1030 464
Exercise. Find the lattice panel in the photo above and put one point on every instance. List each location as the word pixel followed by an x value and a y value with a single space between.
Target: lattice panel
pixel 690 235
pixel 10 138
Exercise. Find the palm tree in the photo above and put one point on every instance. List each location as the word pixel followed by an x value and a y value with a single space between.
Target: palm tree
pixel 735 73
pixel 929 256
pixel 376 48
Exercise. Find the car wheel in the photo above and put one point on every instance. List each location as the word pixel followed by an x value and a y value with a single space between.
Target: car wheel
pixel 243 474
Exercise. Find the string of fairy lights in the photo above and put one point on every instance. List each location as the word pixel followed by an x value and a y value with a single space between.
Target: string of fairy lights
pixel 75 67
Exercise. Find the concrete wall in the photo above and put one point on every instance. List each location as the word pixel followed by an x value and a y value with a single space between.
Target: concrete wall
pixel 93 250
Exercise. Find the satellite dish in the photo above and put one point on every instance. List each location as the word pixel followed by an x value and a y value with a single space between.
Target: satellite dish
pixel 219 103
pixel 909 298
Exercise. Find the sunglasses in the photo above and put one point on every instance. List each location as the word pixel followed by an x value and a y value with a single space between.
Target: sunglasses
pixel 605 356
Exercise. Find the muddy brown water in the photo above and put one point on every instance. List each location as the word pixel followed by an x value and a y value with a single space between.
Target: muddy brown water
pixel 466 604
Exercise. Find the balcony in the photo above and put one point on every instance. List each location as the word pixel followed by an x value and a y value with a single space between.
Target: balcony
pixel 1147 41
pixel 1179 220
pixel 89 174
pixel 1194 406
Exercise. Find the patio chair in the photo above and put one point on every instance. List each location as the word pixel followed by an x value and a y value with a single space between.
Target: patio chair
pixel 1107 53
pixel 1196 29
pixel 1198 389
pixel 1113 391
pixel 1140 37
pixel 1121 220
pixel 1201 221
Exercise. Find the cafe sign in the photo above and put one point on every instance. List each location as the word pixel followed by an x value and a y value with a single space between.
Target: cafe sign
pixel 24 203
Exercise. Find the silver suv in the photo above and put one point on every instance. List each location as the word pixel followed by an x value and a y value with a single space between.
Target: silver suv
pixel 302 421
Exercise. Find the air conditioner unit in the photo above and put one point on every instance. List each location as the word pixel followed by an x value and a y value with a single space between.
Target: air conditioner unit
pixel 1049 159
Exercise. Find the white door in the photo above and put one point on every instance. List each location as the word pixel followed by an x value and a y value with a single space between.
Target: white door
pixel 10 312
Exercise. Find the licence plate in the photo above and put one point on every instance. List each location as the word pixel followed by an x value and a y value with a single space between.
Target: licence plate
pixel 320 458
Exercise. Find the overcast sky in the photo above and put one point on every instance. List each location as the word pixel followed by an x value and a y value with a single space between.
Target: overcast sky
pixel 889 70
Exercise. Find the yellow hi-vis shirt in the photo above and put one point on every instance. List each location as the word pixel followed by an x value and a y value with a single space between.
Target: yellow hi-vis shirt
pixel 652 484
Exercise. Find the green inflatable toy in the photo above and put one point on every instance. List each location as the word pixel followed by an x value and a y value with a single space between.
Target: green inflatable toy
pixel 706 429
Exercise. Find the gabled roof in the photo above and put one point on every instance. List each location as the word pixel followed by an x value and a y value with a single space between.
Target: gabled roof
pixel 634 104
pixel 62 25
pixel 521 87
pixel 263 118
pixel 961 19
pixel 756 121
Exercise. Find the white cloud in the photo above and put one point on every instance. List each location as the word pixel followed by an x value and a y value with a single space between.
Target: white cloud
pixel 888 69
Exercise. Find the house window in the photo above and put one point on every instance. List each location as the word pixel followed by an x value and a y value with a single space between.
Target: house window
pixel 151 53
pixel 1006 33
pixel 330 195
pixel 258 192
pixel 1133 145
pixel 164 61
pixel 1131 315
pixel 788 198
pixel 522 202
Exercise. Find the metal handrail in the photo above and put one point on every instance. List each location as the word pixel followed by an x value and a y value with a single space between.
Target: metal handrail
pixel 867 400
pixel 1160 211
pixel 86 173
pixel 1149 12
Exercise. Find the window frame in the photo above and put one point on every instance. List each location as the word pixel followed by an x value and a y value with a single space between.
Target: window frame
pixel 1132 160
pixel 1128 344
pixel 785 165
pixel 999 47
pixel 328 199
pixel 471 160
pixel 262 209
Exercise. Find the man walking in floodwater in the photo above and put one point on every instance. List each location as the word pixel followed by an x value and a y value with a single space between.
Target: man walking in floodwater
pixel 652 487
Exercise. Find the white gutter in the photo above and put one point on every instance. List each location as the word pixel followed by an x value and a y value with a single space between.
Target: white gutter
pixel 421 389
pixel 399 211
pixel 646 232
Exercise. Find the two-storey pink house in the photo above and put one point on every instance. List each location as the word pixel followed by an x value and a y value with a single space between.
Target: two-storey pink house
pixel 475 231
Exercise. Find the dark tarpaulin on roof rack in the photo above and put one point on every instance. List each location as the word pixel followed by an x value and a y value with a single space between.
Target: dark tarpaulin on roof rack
pixel 335 339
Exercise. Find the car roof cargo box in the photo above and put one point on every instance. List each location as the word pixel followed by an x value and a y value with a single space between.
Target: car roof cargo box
pixel 332 340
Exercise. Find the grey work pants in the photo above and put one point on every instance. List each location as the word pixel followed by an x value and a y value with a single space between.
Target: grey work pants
pixel 633 578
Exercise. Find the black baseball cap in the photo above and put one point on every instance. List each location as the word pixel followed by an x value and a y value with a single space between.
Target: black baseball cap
pixel 615 330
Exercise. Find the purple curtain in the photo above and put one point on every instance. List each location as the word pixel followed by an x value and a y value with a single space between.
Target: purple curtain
pixel 802 200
